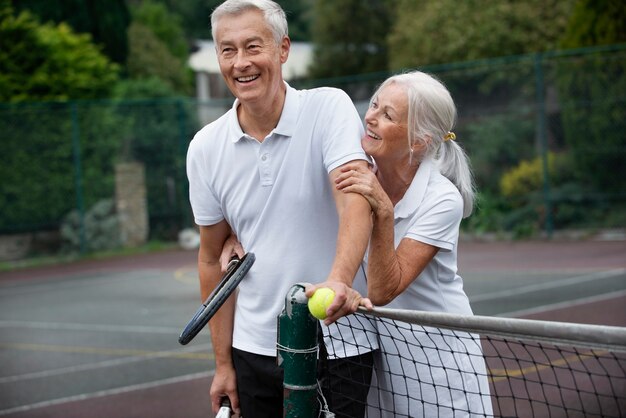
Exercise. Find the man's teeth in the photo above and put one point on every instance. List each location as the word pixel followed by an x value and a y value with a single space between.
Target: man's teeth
pixel 248 78
pixel 373 135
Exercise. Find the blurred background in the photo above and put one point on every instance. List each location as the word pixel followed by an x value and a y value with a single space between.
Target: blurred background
pixel 100 98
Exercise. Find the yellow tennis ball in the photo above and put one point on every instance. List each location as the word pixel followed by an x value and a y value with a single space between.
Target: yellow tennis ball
pixel 320 301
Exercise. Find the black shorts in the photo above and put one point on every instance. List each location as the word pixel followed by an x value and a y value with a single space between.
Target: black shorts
pixel 345 383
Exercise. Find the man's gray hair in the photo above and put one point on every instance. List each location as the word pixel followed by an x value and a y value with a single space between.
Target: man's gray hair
pixel 274 15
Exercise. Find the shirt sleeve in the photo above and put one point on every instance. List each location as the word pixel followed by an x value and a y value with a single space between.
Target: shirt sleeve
pixel 343 131
pixel 438 220
pixel 205 206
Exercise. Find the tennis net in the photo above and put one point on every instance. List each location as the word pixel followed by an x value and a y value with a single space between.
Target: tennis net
pixel 434 364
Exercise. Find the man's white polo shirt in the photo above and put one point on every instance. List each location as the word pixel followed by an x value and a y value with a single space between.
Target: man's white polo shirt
pixel 277 197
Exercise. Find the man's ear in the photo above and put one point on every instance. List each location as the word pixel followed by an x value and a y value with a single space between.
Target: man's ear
pixel 285 45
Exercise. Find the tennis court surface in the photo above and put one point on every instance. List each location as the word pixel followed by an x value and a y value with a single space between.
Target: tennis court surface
pixel 99 338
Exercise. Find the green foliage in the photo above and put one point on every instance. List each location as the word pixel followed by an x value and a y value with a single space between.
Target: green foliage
pixel 40 170
pixel 106 20
pixel 430 32
pixel 595 134
pixel 166 26
pixel 495 143
pixel 299 16
pixel 150 57
pixel 38 164
pixel 196 14
pixel 595 22
pixel 47 62
pixel 527 177
pixel 350 36
pixel 143 88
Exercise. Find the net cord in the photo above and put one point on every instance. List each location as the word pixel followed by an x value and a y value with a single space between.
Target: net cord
pixel 556 333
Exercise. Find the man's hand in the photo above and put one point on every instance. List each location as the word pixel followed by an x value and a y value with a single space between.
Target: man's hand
pixel 232 247
pixel 346 301
pixel 224 385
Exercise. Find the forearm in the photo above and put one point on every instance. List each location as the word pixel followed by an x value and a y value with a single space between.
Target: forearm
pixel 352 238
pixel 221 325
pixel 212 239
pixel 384 273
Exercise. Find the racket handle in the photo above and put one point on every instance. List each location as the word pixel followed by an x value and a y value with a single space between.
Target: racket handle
pixel 224 411
pixel 232 263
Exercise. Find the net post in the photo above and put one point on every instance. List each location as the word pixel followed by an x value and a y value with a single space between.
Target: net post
pixel 297 354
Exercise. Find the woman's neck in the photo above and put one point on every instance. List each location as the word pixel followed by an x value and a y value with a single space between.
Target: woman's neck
pixel 395 178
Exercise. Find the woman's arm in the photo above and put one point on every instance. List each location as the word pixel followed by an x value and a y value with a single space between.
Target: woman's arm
pixel 390 271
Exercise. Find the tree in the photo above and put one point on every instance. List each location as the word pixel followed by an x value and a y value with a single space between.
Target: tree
pixel 166 25
pixel 595 131
pixel 350 36
pixel 150 57
pixel 595 22
pixel 48 62
pixel 445 31
pixel 106 20
pixel 299 16
pixel 196 16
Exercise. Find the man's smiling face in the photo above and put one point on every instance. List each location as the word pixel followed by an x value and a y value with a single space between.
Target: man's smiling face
pixel 249 57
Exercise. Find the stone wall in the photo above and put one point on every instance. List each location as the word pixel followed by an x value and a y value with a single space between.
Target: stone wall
pixel 131 203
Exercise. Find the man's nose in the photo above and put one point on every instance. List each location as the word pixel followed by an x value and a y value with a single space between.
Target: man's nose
pixel 241 60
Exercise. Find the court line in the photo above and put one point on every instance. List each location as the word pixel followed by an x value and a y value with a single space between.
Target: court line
pixel 135 329
pixel 185 353
pixel 563 305
pixel 108 392
pixel 547 285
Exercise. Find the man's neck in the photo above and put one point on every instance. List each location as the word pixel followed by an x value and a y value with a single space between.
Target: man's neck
pixel 258 119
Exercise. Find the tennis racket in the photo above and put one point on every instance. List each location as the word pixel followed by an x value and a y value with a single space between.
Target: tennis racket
pixel 235 272
pixel 225 411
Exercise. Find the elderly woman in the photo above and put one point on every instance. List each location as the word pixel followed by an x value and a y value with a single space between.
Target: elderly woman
pixel 419 189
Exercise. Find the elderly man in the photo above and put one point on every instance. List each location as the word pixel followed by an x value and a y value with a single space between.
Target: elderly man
pixel 265 171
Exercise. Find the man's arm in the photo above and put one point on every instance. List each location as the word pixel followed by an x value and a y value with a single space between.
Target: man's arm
pixel 212 240
pixel 355 226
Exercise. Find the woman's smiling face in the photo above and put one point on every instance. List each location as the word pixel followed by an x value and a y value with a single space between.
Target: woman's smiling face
pixel 386 135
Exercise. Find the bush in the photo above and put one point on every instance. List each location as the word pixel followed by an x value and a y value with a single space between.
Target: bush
pixel 102 228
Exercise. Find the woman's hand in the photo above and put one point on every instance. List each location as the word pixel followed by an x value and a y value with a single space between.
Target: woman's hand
pixel 356 179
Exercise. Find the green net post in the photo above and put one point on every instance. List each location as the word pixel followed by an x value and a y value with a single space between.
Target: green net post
pixel 297 355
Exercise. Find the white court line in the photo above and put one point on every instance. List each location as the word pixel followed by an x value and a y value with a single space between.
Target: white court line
pixel 102 364
pixel 135 329
pixel 548 285
pixel 562 305
pixel 109 392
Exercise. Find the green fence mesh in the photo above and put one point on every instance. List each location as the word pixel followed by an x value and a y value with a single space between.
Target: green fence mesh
pixel 545 133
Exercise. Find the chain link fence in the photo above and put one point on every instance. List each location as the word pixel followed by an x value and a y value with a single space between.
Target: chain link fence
pixel 545 133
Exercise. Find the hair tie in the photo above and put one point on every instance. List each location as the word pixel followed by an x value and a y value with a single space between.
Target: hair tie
pixel 449 136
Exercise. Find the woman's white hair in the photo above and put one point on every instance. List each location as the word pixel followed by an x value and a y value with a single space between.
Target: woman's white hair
pixel 274 15
pixel 431 116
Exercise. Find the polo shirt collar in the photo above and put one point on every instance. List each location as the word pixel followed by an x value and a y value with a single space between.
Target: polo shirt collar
pixel 286 124
pixel 417 190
